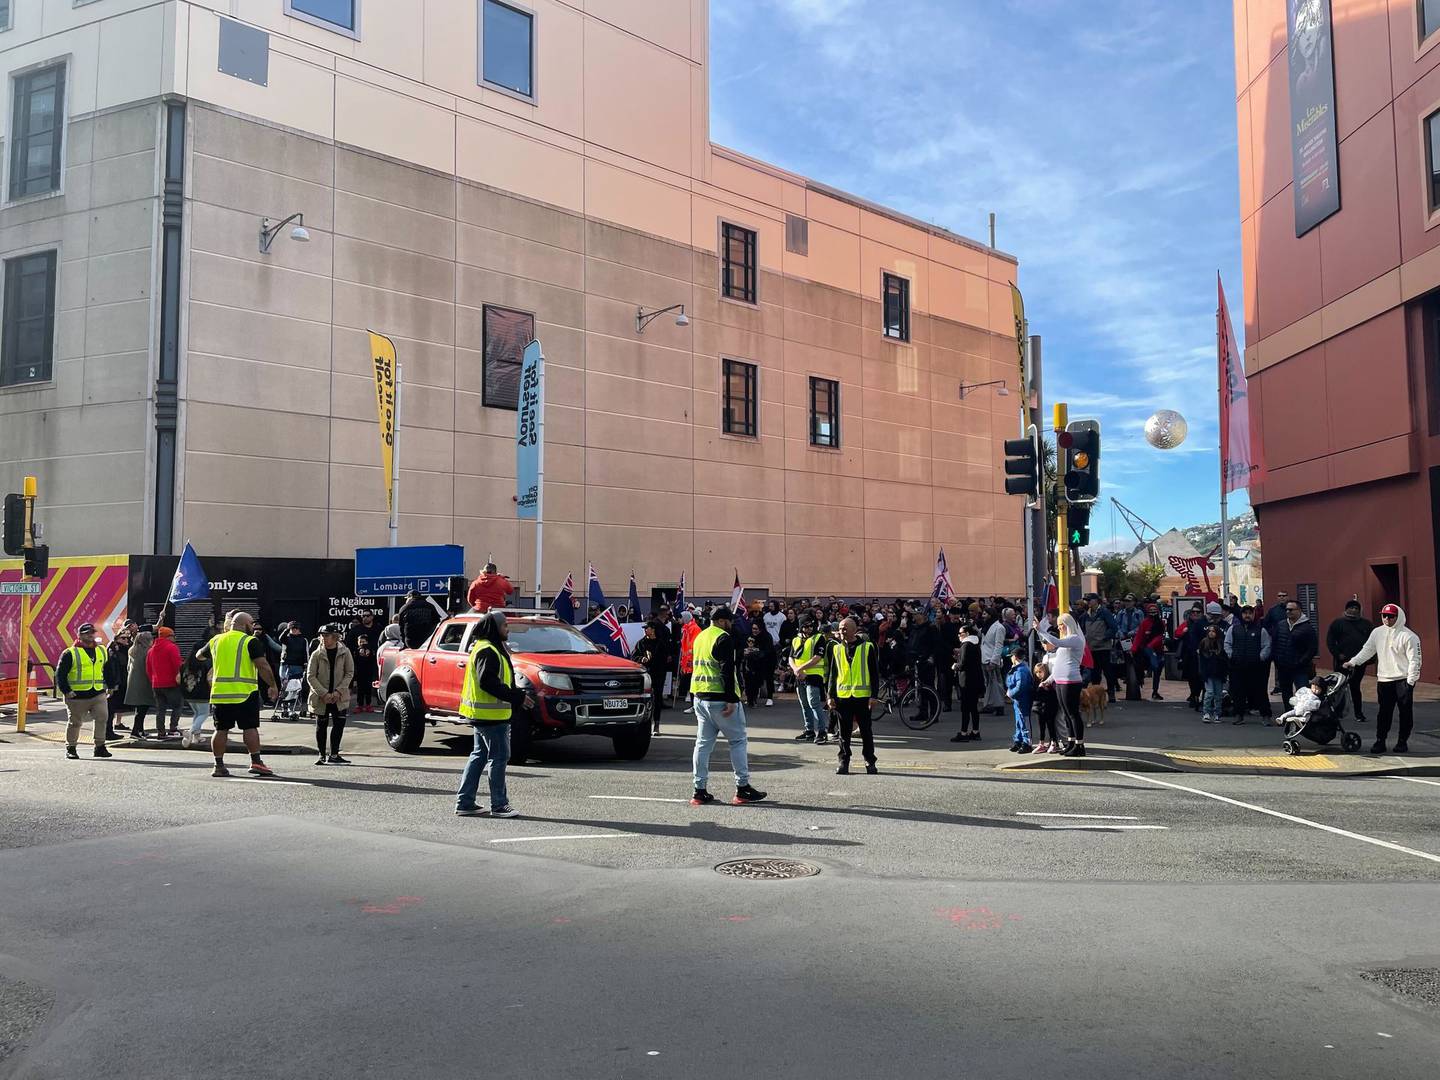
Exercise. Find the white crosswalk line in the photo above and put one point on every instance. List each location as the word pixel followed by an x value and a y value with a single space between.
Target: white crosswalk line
pixel 1087 817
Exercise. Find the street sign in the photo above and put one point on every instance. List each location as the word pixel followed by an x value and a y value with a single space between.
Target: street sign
pixel 21 588
pixel 394 571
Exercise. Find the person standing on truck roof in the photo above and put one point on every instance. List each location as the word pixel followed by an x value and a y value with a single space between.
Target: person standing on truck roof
pixel 489 589
pixel 488 702
pixel 418 619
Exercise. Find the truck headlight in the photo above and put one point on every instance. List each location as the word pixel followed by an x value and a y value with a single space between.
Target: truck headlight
pixel 557 680
pixel 648 684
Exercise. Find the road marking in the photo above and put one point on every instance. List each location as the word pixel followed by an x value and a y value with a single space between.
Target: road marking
pixel 1106 828
pixel 257 780
pixel 1285 817
pixel 576 836
pixel 1088 817
pixel 1417 780
pixel 636 798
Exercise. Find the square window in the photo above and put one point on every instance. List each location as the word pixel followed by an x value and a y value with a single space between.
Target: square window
pixel 506 335
pixel 27 326
pixel 37 126
pixel 737 263
pixel 1429 12
pixel 897 308
pixel 507 48
pixel 824 412
pixel 339 15
pixel 741 398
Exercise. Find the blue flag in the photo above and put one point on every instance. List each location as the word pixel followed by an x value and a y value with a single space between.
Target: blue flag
pixel 634 599
pixel 596 594
pixel 189 582
pixel 565 601
pixel 680 596
pixel 607 632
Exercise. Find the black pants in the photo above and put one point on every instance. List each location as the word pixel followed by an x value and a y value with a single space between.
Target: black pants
pixel 1357 702
pixel 1134 677
pixel 1045 718
pixel 657 696
pixel 1288 679
pixel 1249 689
pixel 1069 695
pixel 970 708
pixel 849 712
pixel 364 693
pixel 1104 671
pixel 1197 684
pixel 945 685
pixel 1392 693
pixel 334 718
pixel 138 724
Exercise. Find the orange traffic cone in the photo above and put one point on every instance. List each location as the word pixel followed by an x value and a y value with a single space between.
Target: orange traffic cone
pixel 32 695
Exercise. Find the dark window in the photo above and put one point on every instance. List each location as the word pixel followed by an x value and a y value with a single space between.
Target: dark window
pixel 737 263
pixel 508 48
pixel 824 412
pixel 1432 158
pixel 1429 17
pixel 340 14
pixel 29 319
pixel 35 130
pixel 1308 597
pixel 1430 343
pixel 797 235
pixel 506 335
pixel 4 14
pixel 897 308
pixel 741 397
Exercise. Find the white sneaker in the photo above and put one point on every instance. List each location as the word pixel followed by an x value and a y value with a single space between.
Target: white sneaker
pixel 689 708
pixel 769 702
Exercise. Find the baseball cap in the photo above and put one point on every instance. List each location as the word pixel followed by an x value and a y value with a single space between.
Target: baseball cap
pixel 165 631
pixel 85 628
pixel 1389 609
pixel 331 628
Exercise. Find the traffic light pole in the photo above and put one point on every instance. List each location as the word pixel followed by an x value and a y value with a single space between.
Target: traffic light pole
pixel 1062 520
pixel 22 670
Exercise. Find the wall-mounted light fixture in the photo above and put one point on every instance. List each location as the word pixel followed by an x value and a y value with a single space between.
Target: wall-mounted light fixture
pixel 268 232
pixel 1004 390
pixel 644 318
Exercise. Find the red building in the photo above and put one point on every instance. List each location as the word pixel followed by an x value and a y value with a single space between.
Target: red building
pixel 1342 322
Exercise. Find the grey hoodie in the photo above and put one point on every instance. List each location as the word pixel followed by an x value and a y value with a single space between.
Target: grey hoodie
pixel 1397 650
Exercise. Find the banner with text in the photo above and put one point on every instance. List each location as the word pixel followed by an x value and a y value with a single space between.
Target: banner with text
pixel 382 350
pixel 529 433
pixel 1241 462
pixel 1313 146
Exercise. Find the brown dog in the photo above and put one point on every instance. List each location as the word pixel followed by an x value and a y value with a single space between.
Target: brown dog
pixel 1093 700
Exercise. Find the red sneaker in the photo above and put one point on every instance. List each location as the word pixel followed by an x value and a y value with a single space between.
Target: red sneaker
pixel 259 768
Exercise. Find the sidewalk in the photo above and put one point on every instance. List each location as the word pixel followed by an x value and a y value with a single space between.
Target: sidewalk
pixel 47 725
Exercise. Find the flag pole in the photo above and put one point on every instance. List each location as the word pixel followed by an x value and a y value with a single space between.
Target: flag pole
pixel 540 487
pixel 395 465
pixel 1222 351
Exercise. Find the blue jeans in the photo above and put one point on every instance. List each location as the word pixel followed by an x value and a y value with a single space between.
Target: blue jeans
pixel 201 709
pixel 1022 721
pixel 492 743
pixel 1214 697
pixel 709 725
pixel 812 708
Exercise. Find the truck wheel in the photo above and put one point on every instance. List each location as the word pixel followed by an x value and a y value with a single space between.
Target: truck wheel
pixel 633 745
pixel 404 723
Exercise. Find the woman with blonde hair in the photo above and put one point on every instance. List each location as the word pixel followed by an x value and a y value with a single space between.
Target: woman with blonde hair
pixel 1065 664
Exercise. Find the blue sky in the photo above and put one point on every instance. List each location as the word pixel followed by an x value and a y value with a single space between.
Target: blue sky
pixel 1103 135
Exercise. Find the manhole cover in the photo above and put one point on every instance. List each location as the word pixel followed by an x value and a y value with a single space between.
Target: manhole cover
pixel 1423 984
pixel 767 869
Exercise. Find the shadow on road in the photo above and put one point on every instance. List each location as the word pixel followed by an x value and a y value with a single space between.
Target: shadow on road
pixel 704 830
pixel 310 779
pixel 898 813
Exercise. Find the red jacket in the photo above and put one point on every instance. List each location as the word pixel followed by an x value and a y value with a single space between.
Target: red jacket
pixel 1151 635
pixel 489 590
pixel 162 663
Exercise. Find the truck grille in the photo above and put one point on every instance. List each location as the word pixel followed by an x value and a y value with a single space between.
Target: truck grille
pixel 597 683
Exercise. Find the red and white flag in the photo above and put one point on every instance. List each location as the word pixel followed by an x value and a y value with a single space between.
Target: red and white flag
pixel 1051 602
pixel 942 590
pixel 737 595
pixel 1241 460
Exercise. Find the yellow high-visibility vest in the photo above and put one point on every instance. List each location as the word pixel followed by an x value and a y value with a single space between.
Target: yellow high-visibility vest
pixel 87 671
pixel 233 677
pixel 852 675
pixel 808 648
pixel 475 703
pixel 709 676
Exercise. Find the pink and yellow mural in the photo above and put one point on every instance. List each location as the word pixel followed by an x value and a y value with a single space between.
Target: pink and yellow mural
pixel 87 588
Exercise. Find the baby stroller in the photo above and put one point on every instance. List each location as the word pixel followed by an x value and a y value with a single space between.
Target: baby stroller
pixel 1326 722
pixel 288 707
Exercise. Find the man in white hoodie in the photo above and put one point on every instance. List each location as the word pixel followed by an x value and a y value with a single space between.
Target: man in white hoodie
pixel 1397 670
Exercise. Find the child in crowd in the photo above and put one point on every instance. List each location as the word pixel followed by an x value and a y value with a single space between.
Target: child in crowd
pixel 1020 689
pixel 1047 708
pixel 1306 700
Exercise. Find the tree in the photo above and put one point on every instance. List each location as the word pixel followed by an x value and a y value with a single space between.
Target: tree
pixel 1117 579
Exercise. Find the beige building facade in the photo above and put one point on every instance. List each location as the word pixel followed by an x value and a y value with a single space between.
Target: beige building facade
pixel 470 172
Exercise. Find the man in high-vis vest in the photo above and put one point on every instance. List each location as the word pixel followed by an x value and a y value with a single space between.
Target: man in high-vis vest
pixel 237 664
pixel 488 701
pixel 851 677
pixel 715 683
pixel 80 675
pixel 808 664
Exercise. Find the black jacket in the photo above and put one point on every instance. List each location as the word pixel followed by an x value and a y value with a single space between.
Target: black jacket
pixel 925 642
pixel 1347 636
pixel 1295 646
pixel 418 619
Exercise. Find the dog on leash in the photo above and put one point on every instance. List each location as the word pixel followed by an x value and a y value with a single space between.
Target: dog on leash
pixel 1093 700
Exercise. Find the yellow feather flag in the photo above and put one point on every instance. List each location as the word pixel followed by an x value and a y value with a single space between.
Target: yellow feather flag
pixel 382 351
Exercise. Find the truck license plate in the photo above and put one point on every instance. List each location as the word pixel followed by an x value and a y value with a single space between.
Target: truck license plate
pixel 616 703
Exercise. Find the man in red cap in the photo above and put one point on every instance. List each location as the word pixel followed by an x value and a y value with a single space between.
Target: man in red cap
pixel 1396 650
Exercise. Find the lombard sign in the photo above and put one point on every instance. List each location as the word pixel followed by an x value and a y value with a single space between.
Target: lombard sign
pixel 395 571
pixel 1313 145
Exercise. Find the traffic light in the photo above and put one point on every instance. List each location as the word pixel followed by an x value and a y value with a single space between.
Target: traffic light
pixel 37 561
pixel 1080 442
pixel 14 524
pixel 1022 465
pixel 1078 520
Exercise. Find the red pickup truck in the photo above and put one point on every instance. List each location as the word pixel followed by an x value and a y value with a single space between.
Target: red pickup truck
pixel 579 689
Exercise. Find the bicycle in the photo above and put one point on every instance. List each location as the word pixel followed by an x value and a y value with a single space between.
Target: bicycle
pixel 917 705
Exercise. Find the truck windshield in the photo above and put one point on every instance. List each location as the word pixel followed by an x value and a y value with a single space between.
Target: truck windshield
pixel 549 640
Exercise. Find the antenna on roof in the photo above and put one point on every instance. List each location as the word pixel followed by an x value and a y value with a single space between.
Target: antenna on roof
pixel 992 228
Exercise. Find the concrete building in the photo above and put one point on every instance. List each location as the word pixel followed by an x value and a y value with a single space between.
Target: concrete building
pixel 1341 322
pixel 470 173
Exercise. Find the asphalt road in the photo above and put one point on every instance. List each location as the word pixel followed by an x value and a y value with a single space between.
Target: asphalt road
pixel 341 921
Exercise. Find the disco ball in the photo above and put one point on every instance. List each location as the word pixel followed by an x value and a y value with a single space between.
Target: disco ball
pixel 1166 430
